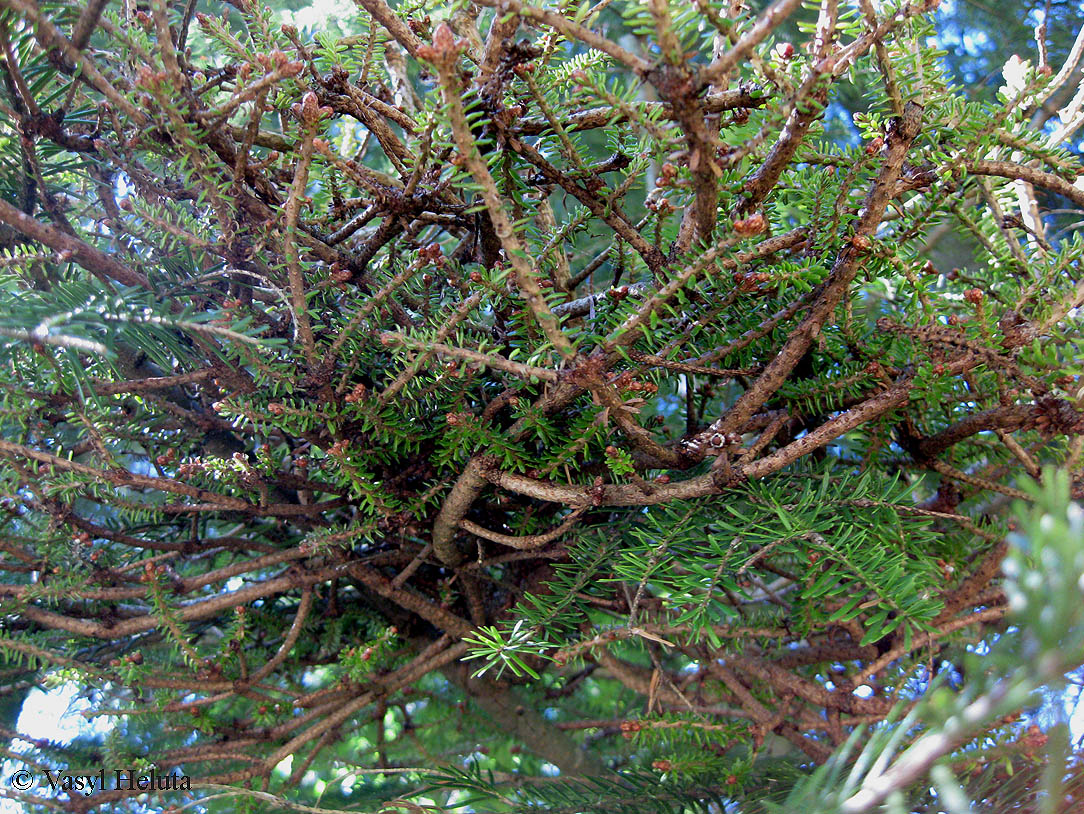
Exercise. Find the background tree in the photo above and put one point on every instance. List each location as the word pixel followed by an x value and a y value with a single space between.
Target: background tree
pixel 576 406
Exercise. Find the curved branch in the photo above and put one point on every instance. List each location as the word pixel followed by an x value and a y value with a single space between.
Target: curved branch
pixel 1019 172
pixel 1011 417
pixel 292 636
pixel 526 542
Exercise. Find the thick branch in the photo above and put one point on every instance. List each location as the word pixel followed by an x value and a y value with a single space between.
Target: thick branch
pixel 836 288
pixel 87 256
pixel 1019 172
pixel 514 717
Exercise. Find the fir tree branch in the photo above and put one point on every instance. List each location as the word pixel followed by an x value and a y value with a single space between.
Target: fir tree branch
pixel 525 372
pixel 846 267
pixel 1021 172
pixel 769 20
pixel 445 53
pixel 572 31
pixel 95 261
pixel 525 542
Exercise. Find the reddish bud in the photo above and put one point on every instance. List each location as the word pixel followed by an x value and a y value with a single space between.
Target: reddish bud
pixel 309 110
pixel 445 47
pixel 752 225
pixel 784 50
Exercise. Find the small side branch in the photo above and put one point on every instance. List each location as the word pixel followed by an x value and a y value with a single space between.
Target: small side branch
pixel 527 542
pixel 1019 172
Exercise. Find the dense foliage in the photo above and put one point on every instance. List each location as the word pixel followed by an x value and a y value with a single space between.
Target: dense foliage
pixel 560 405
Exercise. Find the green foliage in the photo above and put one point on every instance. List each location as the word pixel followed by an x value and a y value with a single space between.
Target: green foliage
pixel 1044 584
